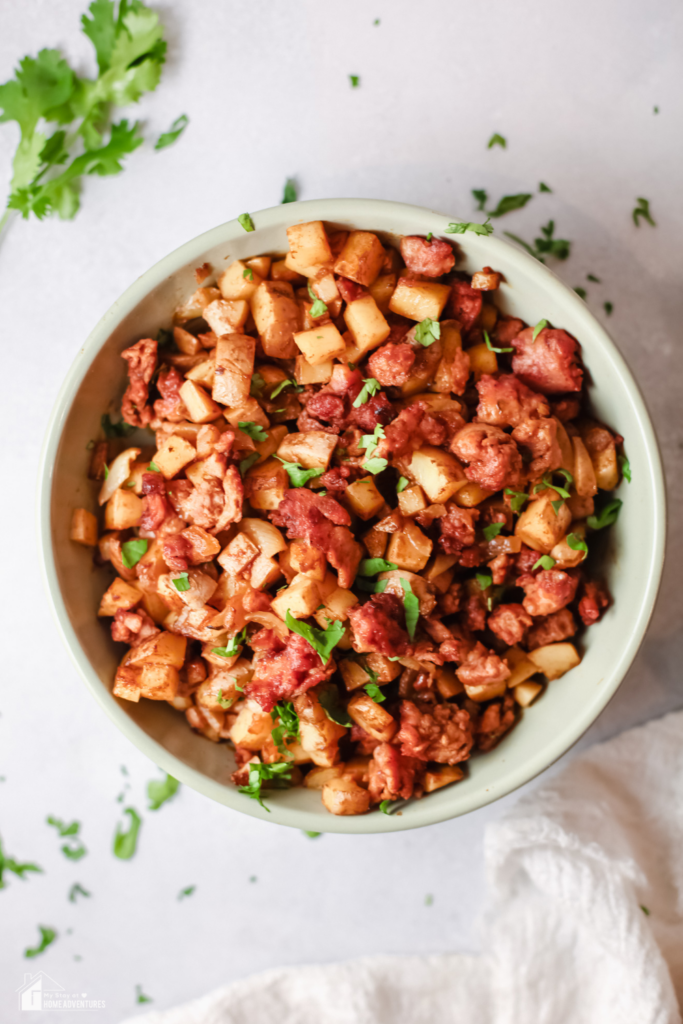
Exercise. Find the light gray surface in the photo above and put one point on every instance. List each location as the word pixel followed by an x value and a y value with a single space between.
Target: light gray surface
pixel 572 87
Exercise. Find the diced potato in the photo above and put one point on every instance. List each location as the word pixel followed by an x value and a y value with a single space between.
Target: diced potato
pixel 338 602
pixel 488 317
pixel 584 473
pixel 440 565
pixel 482 360
pixel 318 777
pixel 309 247
pixel 566 448
pixel 122 511
pixel 234 366
pixel 367 326
pixel 174 454
pixel 539 526
pixel 419 299
pixel 117 474
pixel 264 572
pixel 279 271
pixel 155 607
pixel 319 736
pixel 353 674
pixel 409 548
pixel 345 796
pixel 423 590
pixel 260 265
pixel 312 450
pixel 382 289
pixel 363 497
pixel 267 538
pixel 304 373
pixel 126 684
pixel 328 585
pixel 447 683
pixel 195 305
pixel 486 691
pixel 451 345
pixel 203 546
pixel 503 545
pixel 277 318
pixel 234 284
pixel 238 554
pixel 520 667
pixel 300 598
pixel 357 768
pixel 158 682
pixel 162 649
pixel 438 473
pixel 186 342
pixel 412 500
pixel 602 450
pixel 444 775
pixel 554 660
pixel 565 556
pixel 320 344
pixel 526 693
pixel 119 595
pixel 375 543
pixel 485 280
pixel 372 717
pixel 361 259
pixel 307 560
pixel 203 373
pixel 324 287
pixel 200 591
pixel 249 411
pixel 266 484
pixel 201 408
pixel 471 495
pixel 252 726
pixel 226 317
pixel 386 670
pixel 83 527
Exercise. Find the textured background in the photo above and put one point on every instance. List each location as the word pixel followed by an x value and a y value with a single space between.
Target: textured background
pixel 572 86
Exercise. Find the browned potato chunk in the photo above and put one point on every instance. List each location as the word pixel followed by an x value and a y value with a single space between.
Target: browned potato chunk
pixel 363 497
pixel 126 683
pixel 375 542
pixel 300 598
pixel 312 450
pixel 412 500
pixel 448 372
pixel 584 473
pixel 174 454
pixel 526 693
pixel 485 280
pixel 204 546
pixel 372 717
pixel 318 734
pixel 471 495
pixel 195 305
pixel 234 367
pixel 119 595
pixel 264 535
pixel 186 342
pixel 307 560
pixel 554 660
pixel 83 527
pixel 252 726
pixel 260 265
pixel 486 691
pixel 367 326
pixel 423 590
pixel 540 527
pixel 382 289
pixel 482 360
pixel 345 796
pixel 386 670
pixel 234 284
pixel 320 344
pixel 419 300
pixel 226 317
pixel 265 484
pixel 162 649
pixel 201 408
pixel 361 258
pixel 158 682
pixel 438 473
pixel 409 548
pixel 520 667
pixel 277 318
pixel 304 373
pixel 309 247
pixel 602 450
pixel 337 603
pixel 264 572
pixel 437 778
pixel 319 777
pixel 237 555
pixel 122 511
pixel 353 674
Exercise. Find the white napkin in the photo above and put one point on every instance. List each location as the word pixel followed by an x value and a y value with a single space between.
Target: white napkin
pixel 585 924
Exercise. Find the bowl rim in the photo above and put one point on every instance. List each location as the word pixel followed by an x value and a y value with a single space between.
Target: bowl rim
pixel 341 210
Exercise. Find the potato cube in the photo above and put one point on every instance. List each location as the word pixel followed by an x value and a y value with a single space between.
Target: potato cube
pixel 238 554
pixel 471 495
pixel 304 373
pixel 308 247
pixel 566 557
pixel 312 449
pixel 412 500
pixel 264 535
pixel 440 565
pixel 300 598
pixel 320 344
pixel 248 410
pixel 485 280
pixel 83 527
pixel 266 484
pixel 482 360
pixel 274 438
pixel 252 726
pixel 554 660
pixel 234 366
pixel 307 560
pixel 526 693
pixel 279 271
pixel 448 373
pixel 362 257
pixel 155 607
pixel 239 281
pixel 119 595
pixel 126 683
pixel 565 443
pixel 264 572
pixel 338 602
pixel 318 777
pixel 381 290
pixel 162 649
pixel 438 473
pixel 367 326
pixel 345 796
pixel 277 318
pixel 188 344
pixel 158 682
pixel 375 543
pixel 539 526
pixel 203 373
pixel 386 669
pixel 447 683
pixel 584 474
pixel 319 735
pixel 521 668
pixel 419 299
pixel 353 674
pixel 603 454
pixel 174 454
pixel 363 497
pixel 122 511
pixel 203 546
pixel 486 691
pixel 409 548
pixel 201 408
pixel 372 717
pixel 444 775
pixel 195 305
pixel 226 317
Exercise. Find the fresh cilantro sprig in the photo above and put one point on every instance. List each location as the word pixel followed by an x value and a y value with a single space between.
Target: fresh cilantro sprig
pixel 285 384
pixel 492 530
pixel 517 499
pixel 375 466
pixel 74 848
pixel 542 187
pixel 460 227
pixel 47 937
pixel 246 464
pixel 544 562
pixel 140 996
pixel 484 580
pixel 509 203
pixel 411 606
pixel 187 891
pixel 288 729
pixel 278 774
pixel 371 566
pixel 548 245
pixel 577 543
pixel 371 441
pixel 298 476
pixel 481 196
pixel 253 430
pixel 318 308
pixel 181 582
pixel 354 80
pixel 233 645
pixel 15 866
pixel 606 516
pixel 246 222
pixel 174 132
pixel 492 348
pixel 370 388
pixel 427 332
pixel 403 482
pixel 321 640
pixel 161 790
pixel 375 693
pixel 546 482
pixel 125 843
pixel 132 551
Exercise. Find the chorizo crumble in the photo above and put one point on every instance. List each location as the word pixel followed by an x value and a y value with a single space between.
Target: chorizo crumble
pixel 355 550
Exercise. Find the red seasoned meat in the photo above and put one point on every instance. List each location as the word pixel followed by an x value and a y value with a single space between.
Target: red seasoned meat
pixel 433 259
pixel 413 427
pixel 176 551
pixel 377 409
pixel 378 626
pixel 482 666
pixel 510 622
pixel 566 409
pixel 500 566
pixel 525 560
pixel 132 627
pixel 539 439
pixel 325 405
pixel 507 329
pixel 441 732
pixel 547 591
pixel 202 506
pixel 391 775
pixel 142 361
pixel 505 402
pixel 465 303
pixel 364 743
pixel 323 522
pixel 551 364
pixel 170 406
pixel 338 478
pixel 349 290
pixel 493 458
pixel 594 601
pixel 233 495
pixel 391 364
pixel 498 718
pixel 550 630
pixel 451 601
pixel 470 557
pixel 474 612
pixel 155 506
pixel 457 529
pixel 284 669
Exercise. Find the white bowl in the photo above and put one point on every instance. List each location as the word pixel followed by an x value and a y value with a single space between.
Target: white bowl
pixel 634 549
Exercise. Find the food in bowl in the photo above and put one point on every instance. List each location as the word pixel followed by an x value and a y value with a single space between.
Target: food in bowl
pixel 355 547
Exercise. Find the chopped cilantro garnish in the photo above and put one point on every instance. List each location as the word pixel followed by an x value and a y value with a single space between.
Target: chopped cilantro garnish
pixel 120 429
pixel 140 996
pixel 125 843
pixel 642 210
pixel 642 907
pixel 430 236
pixel 492 530
pixel 253 430
pixel 557 505
pixel 279 773
pixel 385 806
pixel 375 466
pixel 581 292
pixel 225 702
pixel 175 131
pixel 288 729
pixel 371 566
pixel 547 482
pixel 460 227
pixel 497 140
pixel 608 308
pixel 89 446
pixel 318 307
pixel 246 222
pixel 481 196
pixel 312 835
pixel 354 80
pixel 427 332
pixel 625 467
pixel 153 468
pixel 73 848
pixel 370 588
pixel 332 706
pixel 577 543
pixel 290 194
pixel 484 580
pixel 370 388
pixel 411 605
pixel 186 892
pixel 248 274
pixel 542 187
pixel 540 326
pixel 375 693
pixel 546 246
pixel 321 640
pixel 257 385
pixel 509 203
pixel 159 791
pixel 132 551
pixel 298 476
pixel 491 347
pixel 17 868
pixel 429 900
pixel 233 645
pixel 77 890
pixel 106 471
pixel 281 387
pixel 164 338
pixel 545 562
pixel 403 482
pixel 605 516
pixel 593 278
pixel 370 441
pixel 181 582
pixel 47 937
pixel 246 464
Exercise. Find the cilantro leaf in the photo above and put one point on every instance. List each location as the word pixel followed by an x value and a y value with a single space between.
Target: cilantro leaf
pixel 312 835
pixel 481 196
pixel 517 499
pixel 545 246
pixel 545 562
pixel 331 704
pixel 278 773
pixel 557 505
pixel 187 891
pixel 289 725
pixel 284 384
pixel 47 937
pixel 354 80
pixel 161 790
pixel 541 325
pixel 411 605
pixel 77 890
pixel 140 996
pixel 181 582
pixel 175 131
pixel 484 580
pixel 608 308
pixel 509 203
pixel 370 388
pixel 253 430
pixel 290 193
pixel 298 476
pixel 625 467
pixel 492 530
pixel 18 869
pixel 246 464
pixel 497 140
pixel 370 441
pixel 642 210
pixel 125 843
pixel 248 274
pixel 542 187
pixel 225 702
pixel 153 468
pixel 371 566
pixel 111 429
pixel 246 222
pixel 375 466
pixel 581 292
pixel 257 384
pixel 132 551
pixel 403 482
pixel 592 277
pixel 645 909
pixel 606 516
pixel 370 588
pixel 321 640
pixel 492 348
pixel 460 227
pixel 430 236
pixel 427 332
pixel 64 830
pixel 547 482
pixel 577 543
pixel 318 307
pixel 74 849
pixel 375 693
pixel 233 645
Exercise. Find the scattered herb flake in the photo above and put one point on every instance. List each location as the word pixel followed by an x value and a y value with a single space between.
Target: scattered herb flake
pixel 385 806
pixel 625 467
pixel 125 843
pixel 593 278
pixel 181 582
pixel 642 210
pixel 429 900
pixel 492 348
pixel 140 996
pixel 375 693
pixel 321 640
pixel 371 441
pixel 257 384
pixel 606 516
pixel 540 326
pixel 119 429
pixel 581 292
pixel 370 388
pixel 278 773
pixel 371 566
pixel 77 890
pixel 288 729
pixel 509 203
pixel 427 332
pixel 577 543
pixel 430 236
pixel 492 530
pixel 246 222
pixel 246 464
pixel 481 197
pixel 281 387
pixel 643 908
pixel 517 499
pixel 497 140
pixel 176 130
pixel 411 605
pixel 354 80
pixel 248 274
pixel 18 869
pixel 542 187
pixel 484 580
pixel 298 476
pixel 161 790
pixel 253 430
pixel 106 471
pixel 47 937
pixel 186 892
pixel 312 835
pixel 233 645
pixel 460 227
pixel 318 308
pixel 132 551
pixel 331 704
pixel 290 192
pixel 403 482
pixel 546 246
pixel 370 587
pixel 545 562
pixel 375 466
pixel 608 308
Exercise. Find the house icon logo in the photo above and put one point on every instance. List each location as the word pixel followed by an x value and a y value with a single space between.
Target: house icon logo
pixel 34 988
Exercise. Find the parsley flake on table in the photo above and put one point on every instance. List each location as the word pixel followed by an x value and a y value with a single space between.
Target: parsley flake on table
pixel 625 467
pixel 548 245
pixel 181 582
pixel 509 203
pixel 321 640
pixel 125 843
pixel 593 278
pixel 279 773
pixel 187 891
pixel 581 292
pixel 608 308
pixel 290 192
pixel 311 835
pixel 246 222
pixel 492 530
pixel 411 605
pixel 132 551
pixel 318 308
pixel 375 22
pixel 47 937
pixel 642 210
pixel 161 790
pixel 403 482
pixel 644 909
pixel 370 388
pixel 481 196
pixel 77 890
pixel 174 133
pixel 492 348
pixel 497 140
pixel 427 332
pixel 375 693
pixel 542 187
pixel 17 868
pixel 140 996
pixel 298 476
pixel 460 227
pixel 545 562
pixel 253 430
pixel 354 80
pixel 371 566
pixel 429 900
pixel 248 274
pixel 577 543
pixel 605 516
pixel 74 848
